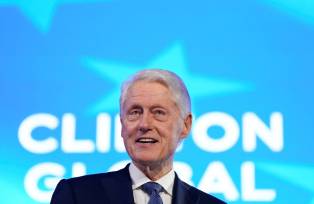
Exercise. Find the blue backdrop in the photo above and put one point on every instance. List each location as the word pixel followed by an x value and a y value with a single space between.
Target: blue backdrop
pixel 248 66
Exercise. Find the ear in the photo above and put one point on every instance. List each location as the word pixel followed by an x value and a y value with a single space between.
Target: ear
pixel 187 124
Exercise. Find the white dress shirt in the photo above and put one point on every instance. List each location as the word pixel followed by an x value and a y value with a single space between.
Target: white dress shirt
pixel 138 179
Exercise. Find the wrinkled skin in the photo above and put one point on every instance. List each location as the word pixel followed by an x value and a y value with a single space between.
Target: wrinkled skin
pixel 152 127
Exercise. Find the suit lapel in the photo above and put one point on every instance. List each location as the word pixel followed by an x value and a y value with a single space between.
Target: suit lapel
pixel 182 194
pixel 118 187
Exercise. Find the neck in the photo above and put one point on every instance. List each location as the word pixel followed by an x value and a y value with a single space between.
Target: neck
pixel 154 171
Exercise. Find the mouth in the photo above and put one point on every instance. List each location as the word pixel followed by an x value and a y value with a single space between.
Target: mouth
pixel 146 140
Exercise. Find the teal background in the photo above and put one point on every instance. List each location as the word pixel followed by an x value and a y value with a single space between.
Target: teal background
pixel 63 56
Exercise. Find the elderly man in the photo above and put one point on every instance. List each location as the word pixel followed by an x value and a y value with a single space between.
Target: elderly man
pixel 155 112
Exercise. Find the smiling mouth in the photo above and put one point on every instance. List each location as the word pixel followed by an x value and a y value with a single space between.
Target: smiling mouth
pixel 146 140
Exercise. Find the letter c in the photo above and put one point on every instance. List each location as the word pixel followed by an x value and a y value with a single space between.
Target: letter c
pixel 32 122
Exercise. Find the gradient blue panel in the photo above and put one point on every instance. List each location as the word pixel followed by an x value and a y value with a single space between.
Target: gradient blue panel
pixel 70 56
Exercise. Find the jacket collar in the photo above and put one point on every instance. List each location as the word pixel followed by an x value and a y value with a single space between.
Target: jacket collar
pixel 118 187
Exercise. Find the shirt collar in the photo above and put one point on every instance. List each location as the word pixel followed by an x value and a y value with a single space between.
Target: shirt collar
pixel 139 178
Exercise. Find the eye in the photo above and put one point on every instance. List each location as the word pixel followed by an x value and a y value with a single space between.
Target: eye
pixel 159 112
pixel 134 114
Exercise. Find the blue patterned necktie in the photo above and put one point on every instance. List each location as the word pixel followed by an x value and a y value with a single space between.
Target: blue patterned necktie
pixel 153 189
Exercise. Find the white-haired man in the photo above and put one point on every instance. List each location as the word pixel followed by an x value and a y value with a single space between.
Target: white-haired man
pixel 155 112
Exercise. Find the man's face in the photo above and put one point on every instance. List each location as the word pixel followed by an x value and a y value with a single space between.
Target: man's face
pixel 151 123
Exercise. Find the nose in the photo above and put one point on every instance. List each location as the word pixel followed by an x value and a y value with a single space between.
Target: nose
pixel 145 122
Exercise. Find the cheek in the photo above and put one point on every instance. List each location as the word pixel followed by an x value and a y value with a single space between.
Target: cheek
pixel 128 130
pixel 175 134
pixel 173 127
pixel 123 131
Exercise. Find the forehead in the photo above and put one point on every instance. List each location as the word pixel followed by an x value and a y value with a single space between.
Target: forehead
pixel 148 92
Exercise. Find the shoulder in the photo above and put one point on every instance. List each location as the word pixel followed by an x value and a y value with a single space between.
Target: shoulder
pixel 93 179
pixel 88 189
pixel 199 195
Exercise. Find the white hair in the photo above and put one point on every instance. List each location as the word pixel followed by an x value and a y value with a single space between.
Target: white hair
pixel 171 80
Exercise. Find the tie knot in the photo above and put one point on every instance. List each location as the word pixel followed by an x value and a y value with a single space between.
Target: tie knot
pixel 151 187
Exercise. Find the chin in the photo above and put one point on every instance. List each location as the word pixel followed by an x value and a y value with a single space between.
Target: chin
pixel 147 161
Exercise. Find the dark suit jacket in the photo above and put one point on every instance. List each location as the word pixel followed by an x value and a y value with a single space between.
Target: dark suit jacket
pixel 116 188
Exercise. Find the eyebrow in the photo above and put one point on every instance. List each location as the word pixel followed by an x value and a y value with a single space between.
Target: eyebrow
pixel 134 106
pixel 158 106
